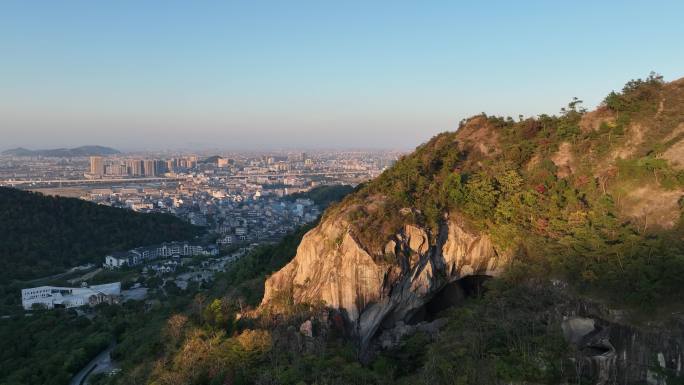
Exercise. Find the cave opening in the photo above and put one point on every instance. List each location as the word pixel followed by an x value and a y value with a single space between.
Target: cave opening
pixel 453 294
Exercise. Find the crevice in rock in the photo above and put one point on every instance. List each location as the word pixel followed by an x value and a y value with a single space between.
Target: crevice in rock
pixel 453 294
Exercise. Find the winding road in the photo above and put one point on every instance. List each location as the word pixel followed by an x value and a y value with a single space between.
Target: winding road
pixel 101 360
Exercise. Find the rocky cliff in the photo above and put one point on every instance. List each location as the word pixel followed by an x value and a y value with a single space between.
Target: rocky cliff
pixel 590 191
pixel 332 267
pixel 610 350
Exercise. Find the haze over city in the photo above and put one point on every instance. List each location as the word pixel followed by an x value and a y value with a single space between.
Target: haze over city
pixel 144 75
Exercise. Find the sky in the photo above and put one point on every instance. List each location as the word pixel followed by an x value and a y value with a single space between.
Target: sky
pixel 139 75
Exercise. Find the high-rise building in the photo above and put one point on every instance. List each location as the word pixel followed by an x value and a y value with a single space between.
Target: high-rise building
pixel 192 161
pixel 187 162
pixel 97 165
pixel 149 168
pixel 130 166
pixel 135 167
pixel 160 167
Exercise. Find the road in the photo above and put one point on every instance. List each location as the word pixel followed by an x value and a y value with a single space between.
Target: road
pixel 76 182
pixel 101 362
pixel 60 275
pixel 85 277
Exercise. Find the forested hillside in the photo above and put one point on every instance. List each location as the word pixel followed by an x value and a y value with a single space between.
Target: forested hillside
pixel 575 218
pixel 42 235
pixel 591 197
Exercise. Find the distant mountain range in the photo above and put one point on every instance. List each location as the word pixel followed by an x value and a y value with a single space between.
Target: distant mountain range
pixel 63 152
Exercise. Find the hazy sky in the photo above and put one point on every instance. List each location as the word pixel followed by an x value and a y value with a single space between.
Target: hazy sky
pixel 272 74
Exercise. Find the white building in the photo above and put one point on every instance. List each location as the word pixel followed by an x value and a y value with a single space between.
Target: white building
pixel 165 250
pixel 117 260
pixel 50 297
pixel 225 240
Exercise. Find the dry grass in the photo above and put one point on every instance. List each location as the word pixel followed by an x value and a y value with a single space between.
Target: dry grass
pixel 651 206
pixel 477 133
pixel 564 159
pixel 591 121
pixel 675 153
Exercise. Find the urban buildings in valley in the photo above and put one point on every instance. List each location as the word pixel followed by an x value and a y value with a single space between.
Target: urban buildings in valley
pixel 139 255
pixel 243 199
pixel 289 168
pixel 240 197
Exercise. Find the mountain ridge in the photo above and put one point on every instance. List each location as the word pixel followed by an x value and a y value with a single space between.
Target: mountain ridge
pixel 537 251
pixel 89 150
pixel 587 198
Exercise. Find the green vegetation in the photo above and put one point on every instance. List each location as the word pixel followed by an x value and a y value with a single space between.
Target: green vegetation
pixel 569 224
pixel 511 334
pixel 550 190
pixel 205 341
pixel 323 196
pixel 202 342
pixel 638 96
pixel 245 279
pixel 43 235
pixel 49 347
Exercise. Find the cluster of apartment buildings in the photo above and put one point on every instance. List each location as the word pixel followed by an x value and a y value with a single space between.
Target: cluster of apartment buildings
pixel 294 169
pixel 256 209
pixel 100 166
pixel 267 219
pixel 243 200
pixel 140 255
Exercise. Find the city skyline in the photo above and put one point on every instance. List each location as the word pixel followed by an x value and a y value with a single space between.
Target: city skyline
pixel 214 150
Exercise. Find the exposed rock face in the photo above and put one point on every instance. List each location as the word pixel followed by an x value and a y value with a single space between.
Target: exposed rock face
pixel 675 154
pixel 306 329
pixel 611 352
pixel 476 134
pixel 597 354
pixel 564 159
pixel 333 268
pixel 591 121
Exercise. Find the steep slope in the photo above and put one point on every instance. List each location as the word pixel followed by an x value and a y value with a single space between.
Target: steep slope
pixel 332 266
pixel 572 213
pixel 587 197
